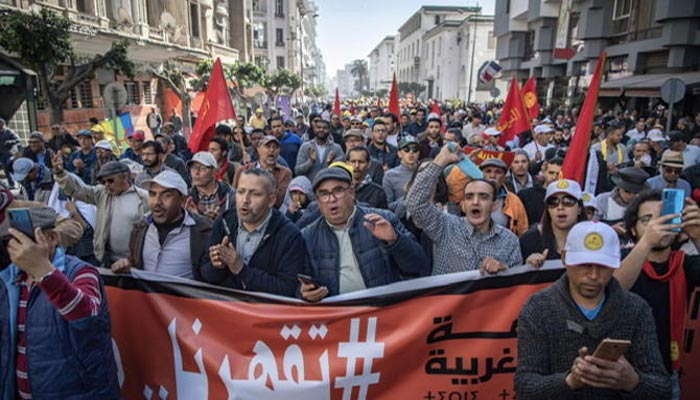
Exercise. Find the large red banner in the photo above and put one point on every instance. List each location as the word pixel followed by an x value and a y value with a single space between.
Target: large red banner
pixel 449 337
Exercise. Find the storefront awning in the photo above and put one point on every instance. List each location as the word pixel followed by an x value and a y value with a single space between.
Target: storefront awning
pixel 645 85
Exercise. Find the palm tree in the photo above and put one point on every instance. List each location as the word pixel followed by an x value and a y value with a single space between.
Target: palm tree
pixel 359 71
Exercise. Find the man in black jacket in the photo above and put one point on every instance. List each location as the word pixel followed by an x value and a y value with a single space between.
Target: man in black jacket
pixel 254 247
pixel 366 190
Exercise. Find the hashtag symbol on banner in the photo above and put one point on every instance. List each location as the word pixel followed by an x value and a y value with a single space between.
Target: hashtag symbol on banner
pixel 367 351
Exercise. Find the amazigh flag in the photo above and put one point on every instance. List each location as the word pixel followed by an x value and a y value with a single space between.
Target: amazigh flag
pixel 514 118
pixel 117 130
pixel 573 167
pixel 394 98
pixel 217 106
pixel 532 104
pixel 336 106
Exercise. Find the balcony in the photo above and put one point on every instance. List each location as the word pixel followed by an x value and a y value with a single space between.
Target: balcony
pixel 260 44
pixel 416 61
pixel 280 44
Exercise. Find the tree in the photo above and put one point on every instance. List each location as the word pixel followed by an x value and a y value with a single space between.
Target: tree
pixel 316 91
pixel 359 70
pixel 171 76
pixel 411 87
pixel 242 75
pixel 42 42
pixel 382 93
pixel 281 81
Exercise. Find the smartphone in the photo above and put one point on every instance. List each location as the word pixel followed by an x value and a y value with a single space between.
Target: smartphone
pixel 672 203
pixel 20 220
pixel 308 280
pixel 612 349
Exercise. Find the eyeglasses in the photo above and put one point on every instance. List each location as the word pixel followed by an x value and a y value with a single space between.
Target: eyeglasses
pixel 108 181
pixel 411 149
pixel 566 201
pixel 324 196
pixel 671 170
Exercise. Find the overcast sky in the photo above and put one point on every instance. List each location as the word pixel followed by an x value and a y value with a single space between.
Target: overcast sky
pixel 350 29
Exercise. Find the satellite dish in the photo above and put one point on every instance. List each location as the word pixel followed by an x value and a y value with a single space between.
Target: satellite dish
pixel 167 21
pixel 114 95
pixel 124 16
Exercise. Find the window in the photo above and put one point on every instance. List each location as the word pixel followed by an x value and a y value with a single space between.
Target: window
pixel 194 19
pixel 133 95
pixel 437 20
pixel 432 55
pixel 622 9
pixel 529 45
pixel 280 62
pixel 147 94
pixel 81 6
pixel 439 51
pixel 634 20
pixel 279 8
pixel 491 41
pixel 279 37
pixel 259 41
pixel 81 96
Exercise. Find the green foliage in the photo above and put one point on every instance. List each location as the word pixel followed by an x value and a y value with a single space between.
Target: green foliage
pixel 244 75
pixel 117 59
pixel 282 80
pixel 37 39
pixel 382 92
pixel 360 71
pixel 411 87
pixel 316 91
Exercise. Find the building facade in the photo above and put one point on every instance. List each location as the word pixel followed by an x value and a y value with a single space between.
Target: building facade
pixel 646 41
pixel 409 50
pixel 382 64
pixel 284 34
pixel 179 32
pixel 453 52
pixel 345 82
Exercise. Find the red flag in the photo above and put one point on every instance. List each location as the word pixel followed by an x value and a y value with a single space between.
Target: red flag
pixel 336 106
pixel 532 104
pixel 573 168
pixel 217 106
pixel 436 110
pixel 394 98
pixel 514 118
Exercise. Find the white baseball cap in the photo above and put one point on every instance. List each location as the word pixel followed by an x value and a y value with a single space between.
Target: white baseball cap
pixel 104 145
pixel 655 135
pixel 205 158
pixel 543 129
pixel 169 180
pixel 592 243
pixel 572 188
pixel 589 200
pixel 492 132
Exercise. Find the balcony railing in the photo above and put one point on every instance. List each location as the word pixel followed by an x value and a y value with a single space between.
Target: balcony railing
pixel 258 44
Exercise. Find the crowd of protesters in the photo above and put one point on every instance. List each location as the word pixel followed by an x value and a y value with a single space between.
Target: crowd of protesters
pixel 355 201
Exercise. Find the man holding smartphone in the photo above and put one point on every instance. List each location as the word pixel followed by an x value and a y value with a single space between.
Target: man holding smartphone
pixel 559 327
pixel 57 343
pixel 662 276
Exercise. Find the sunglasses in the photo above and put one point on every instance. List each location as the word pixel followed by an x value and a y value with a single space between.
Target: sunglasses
pixel 671 170
pixel 411 149
pixel 566 201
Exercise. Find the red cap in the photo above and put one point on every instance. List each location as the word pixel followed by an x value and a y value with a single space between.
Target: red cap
pixel 138 135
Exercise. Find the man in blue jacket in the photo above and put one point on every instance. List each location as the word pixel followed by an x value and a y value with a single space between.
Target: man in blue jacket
pixel 55 339
pixel 254 246
pixel 354 247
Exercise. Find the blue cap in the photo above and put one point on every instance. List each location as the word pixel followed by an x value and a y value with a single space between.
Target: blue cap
pixel 21 168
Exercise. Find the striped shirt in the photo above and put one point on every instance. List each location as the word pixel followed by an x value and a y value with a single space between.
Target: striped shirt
pixel 74 300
